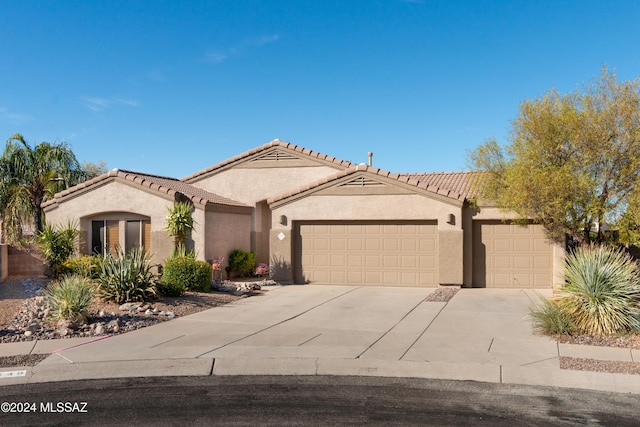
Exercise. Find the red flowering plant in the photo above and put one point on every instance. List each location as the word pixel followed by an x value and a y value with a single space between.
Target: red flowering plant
pixel 262 269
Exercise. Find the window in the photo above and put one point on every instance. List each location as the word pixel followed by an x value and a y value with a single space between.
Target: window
pixel 137 235
pixel 107 235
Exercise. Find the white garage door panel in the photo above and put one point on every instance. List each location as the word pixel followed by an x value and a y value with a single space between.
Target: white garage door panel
pixel 511 256
pixel 367 253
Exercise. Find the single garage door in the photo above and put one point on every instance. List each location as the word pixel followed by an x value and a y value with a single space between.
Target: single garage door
pixel 366 253
pixel 511 256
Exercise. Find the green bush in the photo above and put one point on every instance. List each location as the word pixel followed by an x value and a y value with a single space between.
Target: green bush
pixel 188 273
pixel 171 289
pixel 70 297
pixel 57 245
pixel 550 319
pixel 242 262
pixel 602 291
pixel 86 266
pixel 126 277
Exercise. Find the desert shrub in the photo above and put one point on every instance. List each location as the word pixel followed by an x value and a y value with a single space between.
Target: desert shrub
pixel 171 289
pixel 550 319
pixel 57 245
pixel 126 277
pixel 69 298
pixel 86 266
pixel 602 291
pixel 241 261
pixel 186 273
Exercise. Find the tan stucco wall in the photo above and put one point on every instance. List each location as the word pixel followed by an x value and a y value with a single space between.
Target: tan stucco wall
pixel 113 200
pixel 251 185
pixel 373 207
pixel 369 207
pixel 226 231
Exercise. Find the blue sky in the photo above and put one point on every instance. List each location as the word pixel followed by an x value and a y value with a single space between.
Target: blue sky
pixel 169 88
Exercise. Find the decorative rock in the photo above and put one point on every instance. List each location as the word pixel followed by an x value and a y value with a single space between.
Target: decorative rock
pixel 148 312
pixel 170 314
pixel 34 327
pixel 63 332
pixel 28 333
pixel 99 330
pixel 101 313
pixel 156 311
pixel 66 324
pixel 129 306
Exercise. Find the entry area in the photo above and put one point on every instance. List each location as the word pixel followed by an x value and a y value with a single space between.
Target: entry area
pixel 511 256
pixel 389 253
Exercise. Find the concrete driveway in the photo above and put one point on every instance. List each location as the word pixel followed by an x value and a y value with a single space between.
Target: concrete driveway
pixel 481 335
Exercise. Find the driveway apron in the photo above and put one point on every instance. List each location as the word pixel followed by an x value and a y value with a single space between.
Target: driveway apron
pixel 340 322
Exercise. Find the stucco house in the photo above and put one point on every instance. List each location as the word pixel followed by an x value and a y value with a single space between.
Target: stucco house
pixel 318 219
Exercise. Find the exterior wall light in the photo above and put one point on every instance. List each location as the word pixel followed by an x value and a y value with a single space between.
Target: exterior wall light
pixel 451 219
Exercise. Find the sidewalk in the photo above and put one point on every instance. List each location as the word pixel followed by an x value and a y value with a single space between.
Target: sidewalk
pixel 480 335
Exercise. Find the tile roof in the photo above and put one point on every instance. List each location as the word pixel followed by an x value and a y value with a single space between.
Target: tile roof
pixel 161 184
pixel 454 185
pixel 465 184
pixel 274 143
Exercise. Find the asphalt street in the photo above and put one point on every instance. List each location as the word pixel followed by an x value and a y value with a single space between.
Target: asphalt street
pixel 304 400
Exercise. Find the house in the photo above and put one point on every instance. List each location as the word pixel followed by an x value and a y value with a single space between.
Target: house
pixel 318 219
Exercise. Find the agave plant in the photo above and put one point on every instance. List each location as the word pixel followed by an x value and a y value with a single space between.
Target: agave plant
pixel 69 298
pixel 602 293
pixel 126 277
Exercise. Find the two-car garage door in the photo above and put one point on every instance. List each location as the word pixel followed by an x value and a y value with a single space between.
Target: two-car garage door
pixel 405 253
pixel 387 253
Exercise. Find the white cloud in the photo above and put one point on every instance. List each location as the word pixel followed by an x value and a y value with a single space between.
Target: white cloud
pixel 98 104
pixel 219 56
pixel 215 57
pixel 267 39
pixel 12 117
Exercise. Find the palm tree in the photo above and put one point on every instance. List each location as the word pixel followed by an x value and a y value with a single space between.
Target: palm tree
pixel 30 176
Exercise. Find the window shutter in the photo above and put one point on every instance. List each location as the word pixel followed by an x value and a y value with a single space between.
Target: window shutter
pixel 113 236
pixel 146 235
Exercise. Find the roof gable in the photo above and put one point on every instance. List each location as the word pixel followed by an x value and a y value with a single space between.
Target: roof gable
pixel 164 186
pixel 272 154
pixel 370 180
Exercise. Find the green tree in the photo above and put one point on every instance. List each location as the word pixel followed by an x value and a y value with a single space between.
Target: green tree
pixel 179 224
pixel 91 170
pixel 573 161
pixel 31 175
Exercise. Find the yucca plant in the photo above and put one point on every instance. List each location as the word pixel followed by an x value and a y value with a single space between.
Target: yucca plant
pixel 69 298
pixel 180 224
pixel 126 277
pixel 602 291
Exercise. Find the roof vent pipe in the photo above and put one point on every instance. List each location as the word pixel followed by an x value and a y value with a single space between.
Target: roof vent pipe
pixel 370 158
